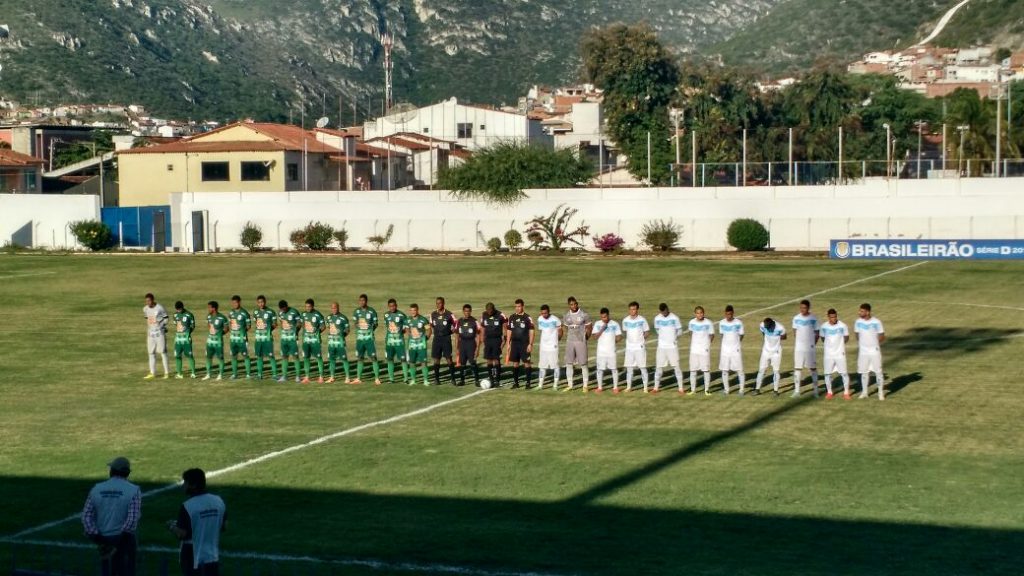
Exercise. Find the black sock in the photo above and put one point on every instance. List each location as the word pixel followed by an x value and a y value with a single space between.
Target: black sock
pixel 476 373
pixel 515 375
pixel 462 375
pixel 451 372
pixel 437 374
pixel 529 375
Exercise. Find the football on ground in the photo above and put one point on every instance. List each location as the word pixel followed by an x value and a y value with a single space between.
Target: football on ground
pixel 343 479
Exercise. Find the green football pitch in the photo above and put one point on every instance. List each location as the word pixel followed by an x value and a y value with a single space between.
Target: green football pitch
pixel 446 480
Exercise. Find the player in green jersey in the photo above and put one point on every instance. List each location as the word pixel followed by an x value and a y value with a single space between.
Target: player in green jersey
pixel 239 320
pixel 184 324
pixel 218 324
pixel 313 324
pixel 264 320
pixel 419 332
pixel 289 319
pixel 365 319
pixel 337 331
pixel 396 324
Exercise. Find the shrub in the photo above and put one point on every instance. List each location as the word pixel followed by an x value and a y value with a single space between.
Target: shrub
pixel 379 241
pixel 92 234
pixel 341 237
pixel 513 239
pixel 552 231
pixel 747 235
pixel 610 242
pixel 252 236
pixel 494 244
pixel 315 236
pixel 661 235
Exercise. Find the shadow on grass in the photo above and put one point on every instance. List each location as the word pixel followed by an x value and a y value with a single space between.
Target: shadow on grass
pixel 934 340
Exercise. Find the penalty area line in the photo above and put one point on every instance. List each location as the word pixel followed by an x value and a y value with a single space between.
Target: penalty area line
pixel 266 457
pixel 380 565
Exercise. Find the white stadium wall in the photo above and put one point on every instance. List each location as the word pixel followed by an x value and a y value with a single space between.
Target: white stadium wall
pixel 41 220
pixel 798 218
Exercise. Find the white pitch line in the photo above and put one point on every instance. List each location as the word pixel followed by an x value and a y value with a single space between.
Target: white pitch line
pixel 267 456
pixel 26 275
pixel 362 563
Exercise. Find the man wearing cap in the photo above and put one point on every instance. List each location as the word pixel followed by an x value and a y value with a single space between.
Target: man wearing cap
pixel 111 518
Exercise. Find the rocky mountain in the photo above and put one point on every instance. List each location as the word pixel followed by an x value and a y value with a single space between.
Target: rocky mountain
pixel 270 58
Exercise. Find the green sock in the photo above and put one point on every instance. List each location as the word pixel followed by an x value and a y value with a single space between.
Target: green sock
pixel 345 367
pixel 391 371
pixel 220 373
pixel 306 366
pixel 234 367
pixel 209 366
pixel 298 368
pixel 376 370
pixel 320 367
pixel 331 363
pixel 248 367
pixel 259 367
pixel 273 367
pixel 192 363
pixel 177 365
pixel 426 374
pixel 359 370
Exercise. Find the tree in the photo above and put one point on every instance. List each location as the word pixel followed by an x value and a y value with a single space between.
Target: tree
pixel 639 78
pixel 498 174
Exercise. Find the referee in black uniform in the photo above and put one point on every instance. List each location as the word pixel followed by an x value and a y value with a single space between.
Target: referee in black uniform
pixel 442 323
pixel 520 334
pixel 469 340
pixel 493 324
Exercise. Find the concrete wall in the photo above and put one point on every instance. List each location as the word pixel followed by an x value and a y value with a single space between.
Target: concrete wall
pixel 799 218
pixel 41 221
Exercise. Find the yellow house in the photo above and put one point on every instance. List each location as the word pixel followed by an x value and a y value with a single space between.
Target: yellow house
pixel 242 157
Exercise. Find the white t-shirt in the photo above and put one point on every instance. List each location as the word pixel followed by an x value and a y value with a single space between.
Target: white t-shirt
pixel 635 328
pixel 834 336
pixel 804 328
pixel 548 328
pixel 669 329
pixel 867 334
pixel 701 332
pixel 156 319
pixel 606 341
pixel 731 330
pixel 773 339
pixel 206 513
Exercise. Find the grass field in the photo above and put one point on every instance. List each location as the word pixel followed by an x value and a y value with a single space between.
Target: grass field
pixel 514 482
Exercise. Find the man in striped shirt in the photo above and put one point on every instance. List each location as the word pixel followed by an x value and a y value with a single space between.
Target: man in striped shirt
pixel 111 518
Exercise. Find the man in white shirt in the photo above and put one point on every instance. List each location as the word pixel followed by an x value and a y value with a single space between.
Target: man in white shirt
pixel 870 336
pixel 835 335
pixel 156 330
pixel 636 328
pixel 111 518
pixel 731 358
pixel 805 355
pixel 702 334
pixel 669 329
pixel 201 519
pixel 608 333
pixel 577 325
pixel 771 353
pixel 550 328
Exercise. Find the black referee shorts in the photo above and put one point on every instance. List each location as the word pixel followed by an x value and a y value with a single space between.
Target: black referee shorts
pixel 492 349
pixel 517 351
pixel 467 351
pixel 441 348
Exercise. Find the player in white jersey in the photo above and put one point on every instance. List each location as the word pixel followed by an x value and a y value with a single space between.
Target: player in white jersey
pixel 805 354
pixel 702 334
pixel 771 353
pixel 636 328
pixel 156 330
pixel 577 326
pixel 550 328
pixel 669 329
pixel 608 333
pixel 870 335
pixel 835 335
pixel 731 358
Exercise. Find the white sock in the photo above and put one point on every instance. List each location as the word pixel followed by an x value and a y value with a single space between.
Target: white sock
pixel 167 369
pixel 657 378
pixel 599 375
pixel 152 363
pixel 568 374
pixel 693 382
pixel 775 380
pixel 542 373
pixel 615 377
pixel 725 381
pixel 556 376
pixel 797 377
pixel 586 376
pixel 865 381
pixel 707 381
pixel 828 383
pixel 679 378
pixel 880 380
pixel 741 379
pixel 846 383
pixel 644 376
pixel 757 382
pixel 629 376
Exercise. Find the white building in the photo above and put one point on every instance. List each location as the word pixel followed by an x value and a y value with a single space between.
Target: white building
pixel 472 127
pixel 972 73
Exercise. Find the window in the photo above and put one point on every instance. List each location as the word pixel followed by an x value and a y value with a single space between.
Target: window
pixel 255 171
pixel 216 172
pixel 293 172
pixel 426 130
pixel 170 167
pixel 483 127
pixel 465 130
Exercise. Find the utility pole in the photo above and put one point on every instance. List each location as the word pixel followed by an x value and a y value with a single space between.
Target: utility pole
pixel 920 136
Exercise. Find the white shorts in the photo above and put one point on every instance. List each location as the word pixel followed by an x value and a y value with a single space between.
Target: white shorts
pixel 700 362
pixel 607 363
pixel 835 365
pixel 548 360
pixel 772 358
pixel 731 362
pixel 636 358
pixel 667 357
pixel 805 359
pixel 157 343
pixel 869 362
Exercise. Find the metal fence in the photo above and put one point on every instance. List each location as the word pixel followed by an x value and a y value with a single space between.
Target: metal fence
pixel 139 227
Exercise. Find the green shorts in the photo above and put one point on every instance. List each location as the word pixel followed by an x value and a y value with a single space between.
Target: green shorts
pixel 312 350
pixel 183 349
pixel 366 348
pixel 263 348
pixel 418 355
pixel 239 348
pixel 336 352
pixel 289 348
pixel 215 350
pixel 395 352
